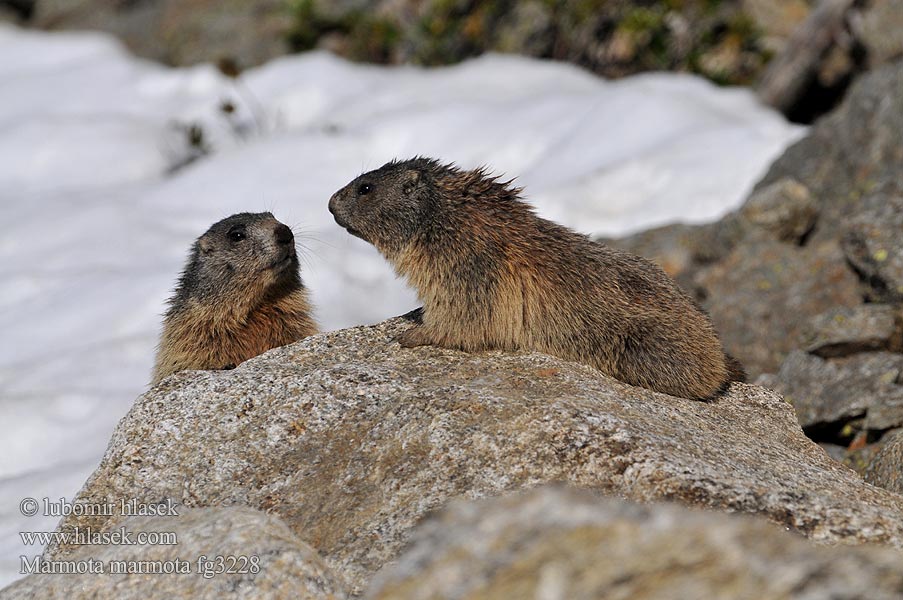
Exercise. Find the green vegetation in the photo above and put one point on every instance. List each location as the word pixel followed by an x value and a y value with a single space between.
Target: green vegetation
pixel 714 38
pixel 366 38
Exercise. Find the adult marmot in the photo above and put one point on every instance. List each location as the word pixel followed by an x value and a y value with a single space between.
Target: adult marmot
pixel 493 275
pixel 239 295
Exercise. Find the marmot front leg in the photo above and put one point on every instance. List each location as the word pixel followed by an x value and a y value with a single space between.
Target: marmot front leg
pixel 416 336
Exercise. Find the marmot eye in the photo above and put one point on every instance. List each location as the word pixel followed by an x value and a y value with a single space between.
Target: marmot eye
pixel 364 189
pixel 237 233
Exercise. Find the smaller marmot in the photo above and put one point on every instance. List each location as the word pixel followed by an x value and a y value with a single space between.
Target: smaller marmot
pixel 239 295
pixel 493 275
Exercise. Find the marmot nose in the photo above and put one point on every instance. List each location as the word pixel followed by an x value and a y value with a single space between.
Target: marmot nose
pixel 283 234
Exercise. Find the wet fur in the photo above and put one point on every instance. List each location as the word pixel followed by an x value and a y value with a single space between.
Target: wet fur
pixel 493 275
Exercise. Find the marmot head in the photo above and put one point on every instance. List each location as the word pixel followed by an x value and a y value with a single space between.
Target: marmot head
pixel 388 206
pixel 241 256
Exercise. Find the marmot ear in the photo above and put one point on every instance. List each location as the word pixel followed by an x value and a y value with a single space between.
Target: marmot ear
pixel 411 179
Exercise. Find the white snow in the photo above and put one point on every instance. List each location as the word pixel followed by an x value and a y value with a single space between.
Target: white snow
pixel 96 224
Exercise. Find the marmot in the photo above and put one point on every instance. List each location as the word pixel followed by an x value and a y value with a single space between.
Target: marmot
pixel 493 275
pixel 239 295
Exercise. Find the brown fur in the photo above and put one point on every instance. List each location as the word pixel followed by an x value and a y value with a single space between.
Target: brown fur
pixel 231 304
pixel 493 275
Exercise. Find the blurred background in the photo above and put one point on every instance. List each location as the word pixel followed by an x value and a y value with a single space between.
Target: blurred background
pixel 727 41
pixel 127 127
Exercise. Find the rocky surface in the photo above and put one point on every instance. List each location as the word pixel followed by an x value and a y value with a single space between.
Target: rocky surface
pixel 846 331
pixel 760 293
pixel 558 543
pixel 873 244
pixel 785 209
pixel 267 561
pixel 834 392
pixel 351 440
pixel 886 470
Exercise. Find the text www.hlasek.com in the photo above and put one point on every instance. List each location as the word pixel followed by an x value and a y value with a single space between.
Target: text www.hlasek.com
pixel 90 537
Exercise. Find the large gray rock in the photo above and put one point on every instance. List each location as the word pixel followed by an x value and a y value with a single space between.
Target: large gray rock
pixel 846 331
pixel 832 392
pixel 563 544
pixel 853 152
pixel 351 440
pixel 873 244
pixel 262 559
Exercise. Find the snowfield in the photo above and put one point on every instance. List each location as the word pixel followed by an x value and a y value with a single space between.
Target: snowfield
pixel 102 191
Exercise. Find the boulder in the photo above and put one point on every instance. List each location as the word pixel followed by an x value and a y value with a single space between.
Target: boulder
pixel 846 331
pixel 852 153
pixel 833 392
pixel 785 209
pixel 560 543
pixel 351 440
pixel 873 245
pixel 261 558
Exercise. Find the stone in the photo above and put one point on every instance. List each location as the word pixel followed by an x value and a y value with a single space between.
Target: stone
pixel 809 383
pixel 886 410
pixel 880 31
pixel 845 331
pixel 16 11
pixel 351 440
pixel 886 470
pixel 267 561
pixel 832 392
pixel 613 39
pixel 562 544
pixel 785 209
pixel 777 18
pixel 873 244
pixel 852 153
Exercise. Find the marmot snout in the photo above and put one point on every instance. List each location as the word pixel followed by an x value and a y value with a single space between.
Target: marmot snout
pixel 239 295
pixel 493 275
